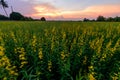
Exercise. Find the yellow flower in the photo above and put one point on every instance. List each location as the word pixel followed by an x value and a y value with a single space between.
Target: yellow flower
pixel 91 67
pixel 1 53
pixel 23 58
pixel 16 74
pixel 7 68
pixel 64 35
pixel 62 55
pixel 91 77
pixel 12 72
pixel 34 43
pixel 21 66
pixel 13 67
pixel 1 48
pixel 25 62
pixel 5 63
pixel 5 78
pixel 49 65
pixel 22 54
pixel 40 53
pixel 52 45
pixel 22 49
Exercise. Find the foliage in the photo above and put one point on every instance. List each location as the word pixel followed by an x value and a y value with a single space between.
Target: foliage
pixel 59 51
pixel 16 16
pixel 3 3
pixel 117 19
pixel 43 19
pixel 2 17
pixel 100 18
pixel 85 20
pixel 28 19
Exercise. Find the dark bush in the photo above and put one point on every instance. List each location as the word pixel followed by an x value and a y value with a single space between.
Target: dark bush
pixel 85 20
pixel 100 18
pixel 16 16
pixel 43 19
pixel 2 17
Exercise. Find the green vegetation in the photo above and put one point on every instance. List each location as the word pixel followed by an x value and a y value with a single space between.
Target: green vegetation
pixel 59 51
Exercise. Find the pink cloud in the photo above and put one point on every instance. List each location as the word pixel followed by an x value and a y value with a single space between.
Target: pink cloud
pixel 45 7
pixel 105 10
pixel 47 10
pixel 51 12
pixel 94 11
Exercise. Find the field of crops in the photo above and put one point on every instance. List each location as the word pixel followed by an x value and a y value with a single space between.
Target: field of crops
pixel 59 51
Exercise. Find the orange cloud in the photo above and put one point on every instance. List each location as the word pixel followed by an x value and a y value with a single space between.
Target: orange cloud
pixel 106 10
pixel 46 10
pixel 52 12
pixel 94 11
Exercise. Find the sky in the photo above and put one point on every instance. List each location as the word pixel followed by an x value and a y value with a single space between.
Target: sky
pixel 65 9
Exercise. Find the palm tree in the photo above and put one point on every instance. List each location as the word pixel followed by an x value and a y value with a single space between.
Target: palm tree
pixel 4 5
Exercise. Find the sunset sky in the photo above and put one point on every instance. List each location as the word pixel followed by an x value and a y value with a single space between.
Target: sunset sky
pixel 65 9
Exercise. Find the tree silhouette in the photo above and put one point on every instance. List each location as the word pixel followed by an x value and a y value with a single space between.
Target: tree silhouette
pixel 16 16
pixel 85 20
pixel 43 19
pixel 4 5
pixel 100 18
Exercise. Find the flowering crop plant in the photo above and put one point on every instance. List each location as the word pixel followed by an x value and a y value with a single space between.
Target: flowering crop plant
pixel 59 50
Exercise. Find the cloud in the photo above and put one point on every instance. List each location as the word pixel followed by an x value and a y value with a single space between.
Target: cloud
pixel 52 9
pixel 106 10
pixel 49 11
pixel 93 12
pixel 45 7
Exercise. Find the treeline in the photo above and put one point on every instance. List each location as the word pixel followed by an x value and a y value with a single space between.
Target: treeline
pixel 19 17
pixel 102 18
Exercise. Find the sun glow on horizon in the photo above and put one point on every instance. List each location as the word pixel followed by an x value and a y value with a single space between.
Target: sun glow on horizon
pixel 50 11
pixel 65 9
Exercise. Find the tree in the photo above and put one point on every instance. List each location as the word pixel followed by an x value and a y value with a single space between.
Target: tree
pixel 27 19
pixel 4 5
pixel 117 19
pixel 2 17
pixel 85 20
pixel 110 19
pixel 100 18
pixel 43 19
pixel 16 16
